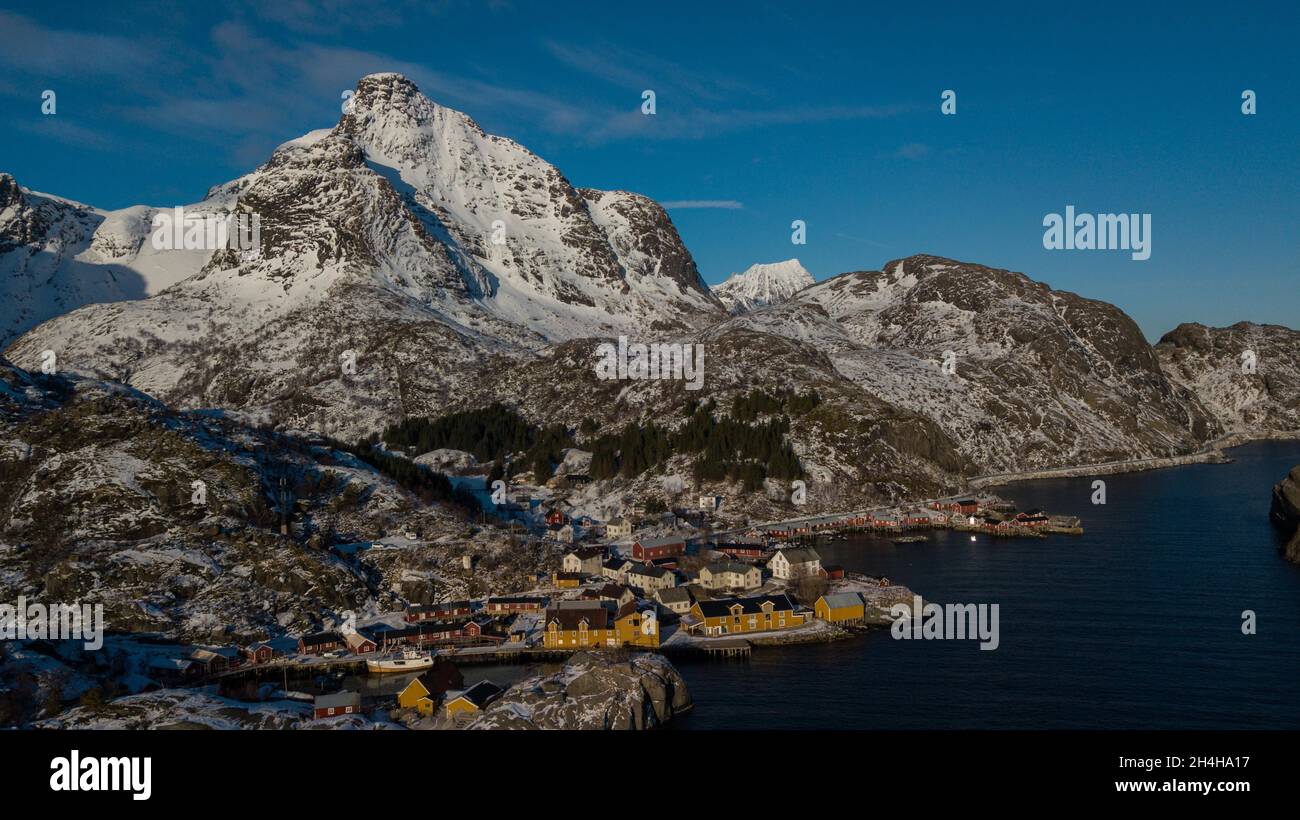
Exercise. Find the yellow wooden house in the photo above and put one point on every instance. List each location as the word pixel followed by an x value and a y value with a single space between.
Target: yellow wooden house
pixel 760 613
pixel 636 626
pixel 568 580
pixel 426 689
pixel 843 607
pixel 473 699
pixel 579 627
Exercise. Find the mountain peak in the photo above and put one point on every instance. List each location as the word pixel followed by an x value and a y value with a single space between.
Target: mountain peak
pixel 763 284
pixel 10 191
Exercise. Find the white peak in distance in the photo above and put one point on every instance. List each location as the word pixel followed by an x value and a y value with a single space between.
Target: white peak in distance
pixel 762 285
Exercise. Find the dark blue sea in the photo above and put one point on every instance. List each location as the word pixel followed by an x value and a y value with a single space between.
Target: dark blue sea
pixel 1136 624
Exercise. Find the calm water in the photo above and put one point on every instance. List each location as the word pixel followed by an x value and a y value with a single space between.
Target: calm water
pixel 1136 624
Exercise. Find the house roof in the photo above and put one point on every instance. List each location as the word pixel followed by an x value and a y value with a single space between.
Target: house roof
pixel 586 552
pixel 579 605
pixel 629 608
pixel 481 693
pixel 434 628
pixel 338 699
pixel 661 542
pixel 752 605
pixel 517 599
pixel 570 619
pixel 800 555
pixel 321 638
pixel 648 571
pixel 441 606
pixel 611 591
pixel 674 595
pixel 356 639
pixel 843 600
pixel 439 678
pixel 720 567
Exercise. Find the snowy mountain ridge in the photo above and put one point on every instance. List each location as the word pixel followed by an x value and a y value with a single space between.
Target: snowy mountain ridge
pixel 410 263
pixel 762 285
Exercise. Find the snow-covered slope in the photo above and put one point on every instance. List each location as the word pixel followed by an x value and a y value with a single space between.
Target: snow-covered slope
pixel 57 255
pixel 554 259
pixel 1247 375
pixel 762 285
pixel 1036 377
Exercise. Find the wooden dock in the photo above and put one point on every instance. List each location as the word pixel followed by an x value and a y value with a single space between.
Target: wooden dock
pixel 722 648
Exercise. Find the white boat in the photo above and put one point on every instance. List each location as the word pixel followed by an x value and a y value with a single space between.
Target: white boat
pixel 410 660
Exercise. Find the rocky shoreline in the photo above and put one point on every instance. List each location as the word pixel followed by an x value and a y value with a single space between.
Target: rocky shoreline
pixel 1285 512
pixel 594 690
pixel 1215 455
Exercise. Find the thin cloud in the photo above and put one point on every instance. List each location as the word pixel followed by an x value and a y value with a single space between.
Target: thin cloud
pixel 32 48
pixel 861 240
pixel 699 204
pixel 60 129
pixel 638 71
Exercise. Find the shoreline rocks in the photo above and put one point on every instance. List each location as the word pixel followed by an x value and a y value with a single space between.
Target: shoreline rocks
pixel 1285 512
pixel 594 690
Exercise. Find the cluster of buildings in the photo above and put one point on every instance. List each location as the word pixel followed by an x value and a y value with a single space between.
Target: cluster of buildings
pixel 189 664
pixel 440 687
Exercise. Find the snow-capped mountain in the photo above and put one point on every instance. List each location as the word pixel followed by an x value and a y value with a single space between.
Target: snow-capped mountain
pixel 762 285
pixel 404 239
pixel 411 264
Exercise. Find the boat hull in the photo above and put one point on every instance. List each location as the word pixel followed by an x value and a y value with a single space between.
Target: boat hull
pixel 392 666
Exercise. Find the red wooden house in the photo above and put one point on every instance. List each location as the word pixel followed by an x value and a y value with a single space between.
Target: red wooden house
pixel 437 612
pixel 341 703
pixel 359 644
pixel 742 550
pixel 320 643
pixel 648 549
pixel 555 518
pixel 258 653
pixel 515 605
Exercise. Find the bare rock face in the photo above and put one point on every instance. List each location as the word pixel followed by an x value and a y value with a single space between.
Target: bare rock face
pixel 1285 512
pixel 1246 375
pixel 593 691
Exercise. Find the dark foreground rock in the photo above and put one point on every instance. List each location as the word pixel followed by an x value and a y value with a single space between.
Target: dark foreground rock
pixel 1285 512
pixel 593 691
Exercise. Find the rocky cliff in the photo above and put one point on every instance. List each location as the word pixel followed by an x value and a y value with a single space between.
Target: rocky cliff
pixel 593 691
pixel 1285 512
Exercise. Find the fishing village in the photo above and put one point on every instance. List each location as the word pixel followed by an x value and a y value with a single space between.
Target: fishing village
pixel 666 582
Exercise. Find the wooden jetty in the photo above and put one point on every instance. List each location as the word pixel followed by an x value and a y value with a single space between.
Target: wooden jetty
pixel 719 648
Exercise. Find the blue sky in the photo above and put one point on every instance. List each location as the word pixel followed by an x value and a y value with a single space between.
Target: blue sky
pixel 827 113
